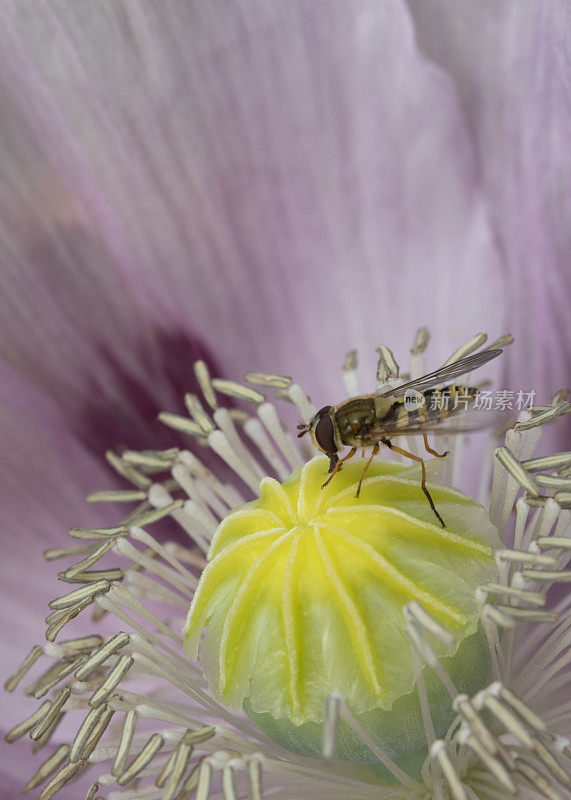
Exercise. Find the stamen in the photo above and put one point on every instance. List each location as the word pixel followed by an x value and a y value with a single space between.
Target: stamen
pixel 150 517
pixel 491 763
pixel 228 784
pixel 302 401
pixel 414 612
pixel 547 463
pixel 181 424
pixel 331 725
pixel 190 783
pixel 420 343
pixel 130 474
pixel 266 379
pixel 544 576
pixel 85 731
pixel 270 419
pixel 554 542
pixel 101 655
pixel 112 574
pixel 255 431
pixel 350 379
pixel 79 595
pixel 503 341
pixel 53 676
pixel 61 618
pixel 387 367
pixel 49 766
pixel 91 559
pixel 98 533
pixel 255 776
pixel 429 657
pixel 374 748
pixel 179 765
pixel 112 496
pixel 92 791
pixel 23 669
pixel 239 391
pixel 224 422
pixel 173 577
pixel 550 763
pixel 527 596
pixel 46 722
pixel 228 493
pixel 553 482
pixel 149 751
pixel 563 499
pixel 151 460
pixel 113 679
pixel 27 725
pixel 202 374
pixel 68 772
pixel 121 596
pixel 544 416
pixel 525 557
pixel 464 707
pixel 509 720
pixel 515 469
pixel 140 535
pixel 537 780
pixel 502 620
pixel 429 732
pixel 474 343
pixel 64 552
pixel 218 441
pixel 125 743
pixel 98 731
pixel 198 414
pixel 438 750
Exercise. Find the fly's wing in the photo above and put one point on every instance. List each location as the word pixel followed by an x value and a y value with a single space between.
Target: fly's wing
pixel 400 421
pixel 444 374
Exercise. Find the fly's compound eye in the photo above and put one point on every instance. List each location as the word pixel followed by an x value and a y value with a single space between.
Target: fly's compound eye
pixel 324 433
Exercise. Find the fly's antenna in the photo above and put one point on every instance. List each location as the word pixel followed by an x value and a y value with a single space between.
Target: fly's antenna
pixel 303 428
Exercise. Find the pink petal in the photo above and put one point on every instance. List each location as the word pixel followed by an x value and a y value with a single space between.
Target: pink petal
pixel 46 474
pixel 511 64
pixel 284 180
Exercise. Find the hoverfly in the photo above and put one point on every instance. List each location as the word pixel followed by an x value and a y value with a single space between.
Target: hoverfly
pixel 373 419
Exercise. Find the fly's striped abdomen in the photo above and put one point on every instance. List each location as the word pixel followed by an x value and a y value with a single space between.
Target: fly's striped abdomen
pixel 435 405
pixel 442 403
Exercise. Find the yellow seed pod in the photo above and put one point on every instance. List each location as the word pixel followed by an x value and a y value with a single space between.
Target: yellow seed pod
pixel 304 592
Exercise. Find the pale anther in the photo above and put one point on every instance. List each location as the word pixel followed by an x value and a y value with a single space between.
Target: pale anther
pixel 116 675
pixel 101 655
pixel 24 667
pixel 202 374
pixel 182 424
pixel 198 414
pixel 387 367
pixel 515 469
pixel 237 390
pixel 266 379
pixel 139 763
pixel 44 724
pixel 49 766
pixel 477 341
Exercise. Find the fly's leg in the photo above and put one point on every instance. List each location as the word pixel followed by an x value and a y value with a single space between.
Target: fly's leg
pixel 429 449
pixel 367 465
pixel 338 465
pixel 392 446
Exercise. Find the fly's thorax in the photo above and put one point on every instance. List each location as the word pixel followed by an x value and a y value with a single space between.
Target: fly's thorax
pixel 354 419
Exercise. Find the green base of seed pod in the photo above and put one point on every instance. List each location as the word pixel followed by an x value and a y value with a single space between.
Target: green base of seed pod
pixel 399 731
